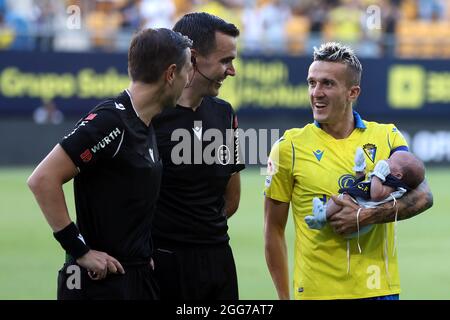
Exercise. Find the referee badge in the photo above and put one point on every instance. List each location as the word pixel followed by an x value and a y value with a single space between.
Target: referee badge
pixel 371 151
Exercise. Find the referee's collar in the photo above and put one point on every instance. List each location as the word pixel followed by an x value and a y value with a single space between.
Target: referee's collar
pixel 359 124
pixel 131 101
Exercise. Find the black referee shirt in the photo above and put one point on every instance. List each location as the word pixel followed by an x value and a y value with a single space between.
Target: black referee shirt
pixel 119 179
pixel 191 206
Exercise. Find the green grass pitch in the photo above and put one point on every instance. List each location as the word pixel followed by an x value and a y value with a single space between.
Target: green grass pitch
pixel 30 257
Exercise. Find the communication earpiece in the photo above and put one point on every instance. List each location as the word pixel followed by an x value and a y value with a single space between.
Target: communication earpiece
pixel 196 69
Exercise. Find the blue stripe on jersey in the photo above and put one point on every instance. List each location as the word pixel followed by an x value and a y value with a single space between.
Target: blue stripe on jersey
pixel 358 121
pixel 293 156
pixel 359 124
pixel 400 148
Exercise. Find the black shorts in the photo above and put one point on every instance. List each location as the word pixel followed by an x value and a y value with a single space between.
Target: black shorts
pixel 138 283
pixel 197 272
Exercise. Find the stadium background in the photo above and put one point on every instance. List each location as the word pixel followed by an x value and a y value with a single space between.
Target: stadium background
pixel 73 53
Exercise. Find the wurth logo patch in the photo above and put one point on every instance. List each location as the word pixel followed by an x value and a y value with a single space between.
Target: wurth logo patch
pixel 106 140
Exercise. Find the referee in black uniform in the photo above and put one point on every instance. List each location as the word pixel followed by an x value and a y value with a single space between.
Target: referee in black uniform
pixel 113 158
pixel 200 188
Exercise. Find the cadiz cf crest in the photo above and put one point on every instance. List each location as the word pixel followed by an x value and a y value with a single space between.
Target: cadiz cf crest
pixel 346 181
pixel 371 151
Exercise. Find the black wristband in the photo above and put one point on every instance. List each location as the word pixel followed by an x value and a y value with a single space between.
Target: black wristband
pixel 72 241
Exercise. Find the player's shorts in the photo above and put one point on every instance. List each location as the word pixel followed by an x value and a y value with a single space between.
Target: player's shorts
pixel 138 283
pixel 195 272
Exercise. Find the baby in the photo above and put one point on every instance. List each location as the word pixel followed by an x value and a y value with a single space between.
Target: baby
pixel 391 178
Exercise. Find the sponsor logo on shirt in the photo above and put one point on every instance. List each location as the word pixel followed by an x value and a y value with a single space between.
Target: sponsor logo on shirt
pixel 270 167
pixel 268 181
pixel 119 106
pixel 86 156
pixel 81 238
pixel 198 130
pixel 106 140
pixel 318 153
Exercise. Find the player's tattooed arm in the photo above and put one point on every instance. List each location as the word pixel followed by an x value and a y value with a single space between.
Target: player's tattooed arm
pixel 414 202
pixel 411 204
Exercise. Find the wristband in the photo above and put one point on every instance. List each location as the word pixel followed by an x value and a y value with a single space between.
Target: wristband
pixel 72 241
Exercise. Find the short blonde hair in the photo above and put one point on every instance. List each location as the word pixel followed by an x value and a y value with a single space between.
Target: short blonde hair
pixel 337 52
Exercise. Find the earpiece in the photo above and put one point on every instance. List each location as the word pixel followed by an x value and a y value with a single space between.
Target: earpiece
pixel 196 69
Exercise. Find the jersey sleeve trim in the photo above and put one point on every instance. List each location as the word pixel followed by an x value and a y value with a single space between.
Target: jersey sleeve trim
pixel 293 157
pixel 277 198
pixel 400 148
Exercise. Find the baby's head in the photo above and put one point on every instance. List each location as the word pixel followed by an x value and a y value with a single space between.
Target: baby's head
pixel 407 167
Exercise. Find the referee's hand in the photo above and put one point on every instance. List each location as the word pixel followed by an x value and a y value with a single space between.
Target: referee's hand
pixel 99 264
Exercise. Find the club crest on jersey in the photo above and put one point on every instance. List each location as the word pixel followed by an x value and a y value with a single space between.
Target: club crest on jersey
pixel 346 181
pixel 371 151
pixel 318 153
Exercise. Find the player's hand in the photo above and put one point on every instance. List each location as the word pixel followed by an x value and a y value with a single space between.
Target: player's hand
pixel 343 221
pixel 360 160
pixel 99 264
pixel 381 170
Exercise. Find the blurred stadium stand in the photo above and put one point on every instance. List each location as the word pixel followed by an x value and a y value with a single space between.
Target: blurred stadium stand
pixel 74 53
pixel 408 28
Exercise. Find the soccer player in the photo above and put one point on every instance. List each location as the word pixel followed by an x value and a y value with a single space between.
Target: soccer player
pixel 200 191
pixel 113 158
pixel 314 161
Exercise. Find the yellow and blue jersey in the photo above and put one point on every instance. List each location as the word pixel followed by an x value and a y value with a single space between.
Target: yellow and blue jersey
pixel 307 163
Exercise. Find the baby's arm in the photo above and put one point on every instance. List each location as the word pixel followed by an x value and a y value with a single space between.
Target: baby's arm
pixel 378 191
pixel 332 207
pixel 360 163
pixel 320 211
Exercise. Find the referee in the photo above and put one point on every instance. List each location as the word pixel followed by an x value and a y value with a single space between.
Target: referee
pixel 113 158
pixel 200 188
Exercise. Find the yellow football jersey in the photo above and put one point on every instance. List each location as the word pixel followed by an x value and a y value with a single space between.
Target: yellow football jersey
pixel 307 163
